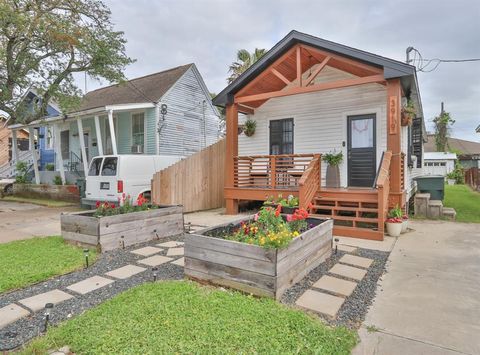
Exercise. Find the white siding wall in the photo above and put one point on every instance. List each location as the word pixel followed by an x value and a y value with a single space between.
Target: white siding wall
pixel 320 118
pixel 190 124
pixel 410 173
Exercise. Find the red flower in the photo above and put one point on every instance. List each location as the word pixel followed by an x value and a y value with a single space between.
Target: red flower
pixel 277 213
pixel 112 205
pixel 97 205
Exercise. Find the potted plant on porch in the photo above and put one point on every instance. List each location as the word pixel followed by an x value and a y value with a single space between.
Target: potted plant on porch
pixel 404 223
pixel 333 171
pixel 408 113
pixel 394 222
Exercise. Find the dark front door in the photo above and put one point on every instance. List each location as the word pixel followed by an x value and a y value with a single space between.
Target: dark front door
pixel 361 150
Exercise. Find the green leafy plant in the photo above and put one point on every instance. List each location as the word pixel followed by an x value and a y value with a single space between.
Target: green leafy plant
pixel 57 180
pixel 249 127
pixel 395 212
pixel 49 167
pixel 408 113
pixel 443 124
pixel 457 174
pixel 125 205
pixel 290 201
pixel 333 159
pixel 22 171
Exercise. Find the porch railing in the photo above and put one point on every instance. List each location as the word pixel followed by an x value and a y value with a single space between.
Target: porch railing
pixel 271 171
pixel 309 183
pixel 383 187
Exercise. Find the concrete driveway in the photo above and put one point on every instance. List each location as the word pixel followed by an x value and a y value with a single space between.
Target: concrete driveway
pixel 24 220
pixel 428 302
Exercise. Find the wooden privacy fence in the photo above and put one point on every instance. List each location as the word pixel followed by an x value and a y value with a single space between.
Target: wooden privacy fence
pixel 195 182
pixel 472 178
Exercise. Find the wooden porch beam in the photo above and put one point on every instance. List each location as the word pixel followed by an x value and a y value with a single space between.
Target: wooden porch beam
pixel 113 138
pixel 83 150
pixel 317 71
pixel 280 76
pixel 58 151
pixel 31 137
pixel 246 109
pixel 319 87
pixel 347 61
pixel 299 66
pixel 231 151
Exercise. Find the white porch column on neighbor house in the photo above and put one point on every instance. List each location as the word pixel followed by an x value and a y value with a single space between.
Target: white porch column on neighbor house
pixel 112 132
pixel 98 133
pixel 31 141
pixel 157 123
pixel 14 146
pixel 82 146
pixel 58 152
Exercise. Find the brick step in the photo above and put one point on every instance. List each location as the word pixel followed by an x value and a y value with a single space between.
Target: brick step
pixel 449 213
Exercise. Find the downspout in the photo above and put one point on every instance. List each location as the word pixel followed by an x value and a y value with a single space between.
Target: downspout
pixel 157 128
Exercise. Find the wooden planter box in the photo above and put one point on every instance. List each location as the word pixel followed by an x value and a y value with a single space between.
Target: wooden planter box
pixel 113 232
pixel 251 268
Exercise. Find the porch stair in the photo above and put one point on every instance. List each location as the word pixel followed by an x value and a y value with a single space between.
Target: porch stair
pixel 354 211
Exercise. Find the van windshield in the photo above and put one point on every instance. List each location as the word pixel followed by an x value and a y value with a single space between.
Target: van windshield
pixel 95 167
pixel 109 167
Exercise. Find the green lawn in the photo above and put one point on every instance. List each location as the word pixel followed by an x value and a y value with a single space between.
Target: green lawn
pixel 28 261
pixel 465 201
pixel 181 317
pixel 38 201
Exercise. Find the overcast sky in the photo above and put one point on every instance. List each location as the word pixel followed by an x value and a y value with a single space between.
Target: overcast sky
pixel 167 33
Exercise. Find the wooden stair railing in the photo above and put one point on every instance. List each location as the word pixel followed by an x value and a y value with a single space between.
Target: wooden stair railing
pixel 309 183
pixel 383 188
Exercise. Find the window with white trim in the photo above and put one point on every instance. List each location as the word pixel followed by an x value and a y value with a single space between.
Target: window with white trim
pixel 138 129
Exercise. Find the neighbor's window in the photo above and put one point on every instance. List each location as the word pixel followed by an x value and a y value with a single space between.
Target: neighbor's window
pixel 109 167
pixel 138 129
pixel 95 167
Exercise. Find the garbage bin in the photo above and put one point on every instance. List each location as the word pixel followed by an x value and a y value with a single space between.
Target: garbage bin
pixel 432 184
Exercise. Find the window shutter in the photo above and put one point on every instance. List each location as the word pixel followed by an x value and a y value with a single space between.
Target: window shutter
pixel 417 140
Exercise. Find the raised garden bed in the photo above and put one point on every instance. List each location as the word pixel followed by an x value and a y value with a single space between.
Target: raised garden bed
pixel 252 268
pixel 121 230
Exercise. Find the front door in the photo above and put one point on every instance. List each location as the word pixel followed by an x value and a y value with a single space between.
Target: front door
pixel 361 150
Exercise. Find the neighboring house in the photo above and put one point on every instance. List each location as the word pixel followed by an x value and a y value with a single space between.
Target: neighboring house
pixel 468 152
pixel 438 163
pixel 6 141
pixel 166 113
pixel 308 97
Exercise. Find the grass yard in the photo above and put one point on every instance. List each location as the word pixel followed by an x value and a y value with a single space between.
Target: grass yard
pixel 38 201
pixel 29 261
pixel 465 201
pixel 181 317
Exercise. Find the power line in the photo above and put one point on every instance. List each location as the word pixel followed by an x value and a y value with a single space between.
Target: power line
pixel 429 65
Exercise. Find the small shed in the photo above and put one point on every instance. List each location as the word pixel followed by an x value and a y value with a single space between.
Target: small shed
pixel 438 163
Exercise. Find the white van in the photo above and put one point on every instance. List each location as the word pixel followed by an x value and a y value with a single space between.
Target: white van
pixel 110 176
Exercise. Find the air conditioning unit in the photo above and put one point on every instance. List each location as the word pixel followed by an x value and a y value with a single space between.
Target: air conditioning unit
pixel 137 149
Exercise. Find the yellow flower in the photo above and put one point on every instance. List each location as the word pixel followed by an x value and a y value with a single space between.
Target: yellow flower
pixel 296 234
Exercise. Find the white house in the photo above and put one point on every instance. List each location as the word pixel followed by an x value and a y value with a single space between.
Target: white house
pixel 438 163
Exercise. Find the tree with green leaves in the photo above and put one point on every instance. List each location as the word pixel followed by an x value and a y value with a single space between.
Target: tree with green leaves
pixel 245 60
pixel 44 42
pixel 443 123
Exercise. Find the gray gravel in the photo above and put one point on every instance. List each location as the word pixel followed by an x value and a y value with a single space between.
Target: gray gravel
pixel 21 331
pixel 353 311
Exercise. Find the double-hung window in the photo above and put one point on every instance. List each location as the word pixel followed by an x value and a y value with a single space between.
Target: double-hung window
pixel 138 129
pixel 281 136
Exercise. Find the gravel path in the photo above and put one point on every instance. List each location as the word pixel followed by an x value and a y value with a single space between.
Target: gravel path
pixel 355 307
pixel 21 331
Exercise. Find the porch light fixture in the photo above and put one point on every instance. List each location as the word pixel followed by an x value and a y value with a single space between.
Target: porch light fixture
pixel 86 252
pixel 48 310
pixel 154 274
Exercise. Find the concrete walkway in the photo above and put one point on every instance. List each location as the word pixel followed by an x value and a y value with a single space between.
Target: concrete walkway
pixel 428 302
pixel 24 220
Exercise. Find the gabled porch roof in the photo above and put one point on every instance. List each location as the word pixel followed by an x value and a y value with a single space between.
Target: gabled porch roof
pixel 313 51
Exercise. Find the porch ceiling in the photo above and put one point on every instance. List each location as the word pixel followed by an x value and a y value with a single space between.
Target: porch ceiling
pixel 283 73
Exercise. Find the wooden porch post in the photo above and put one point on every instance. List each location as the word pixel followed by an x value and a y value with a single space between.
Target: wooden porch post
pixel 31 137
pixel 98 133
pixel 394 97
pixel 230 153
pixel 58 152
pixel 14 146
pixel 82 146
pixel 113 139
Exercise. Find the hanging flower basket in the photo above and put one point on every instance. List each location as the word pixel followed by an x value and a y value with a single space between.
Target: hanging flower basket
pixel 408 114
pixel 249 127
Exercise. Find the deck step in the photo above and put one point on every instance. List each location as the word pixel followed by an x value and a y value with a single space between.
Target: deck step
pixel 347 218
pixel 365 199
pixel 357 232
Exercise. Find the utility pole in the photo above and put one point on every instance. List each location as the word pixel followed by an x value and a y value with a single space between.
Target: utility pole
pixel 442 111
pixel 407 52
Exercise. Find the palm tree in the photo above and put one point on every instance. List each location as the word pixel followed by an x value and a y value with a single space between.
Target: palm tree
pixel 245 60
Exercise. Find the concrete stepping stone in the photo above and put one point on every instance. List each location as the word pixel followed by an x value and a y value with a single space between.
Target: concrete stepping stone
pixel 320 302
pixel 125 272
pixel 179 262
pixel 11 313
pixel 146 251
pixel 175 251
pixel 170 244
pixel 348 271
pixel 356 261
pixel 335 285
pixel 91 284
pixel 154 260
pixel 38 302
pixel 346 248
